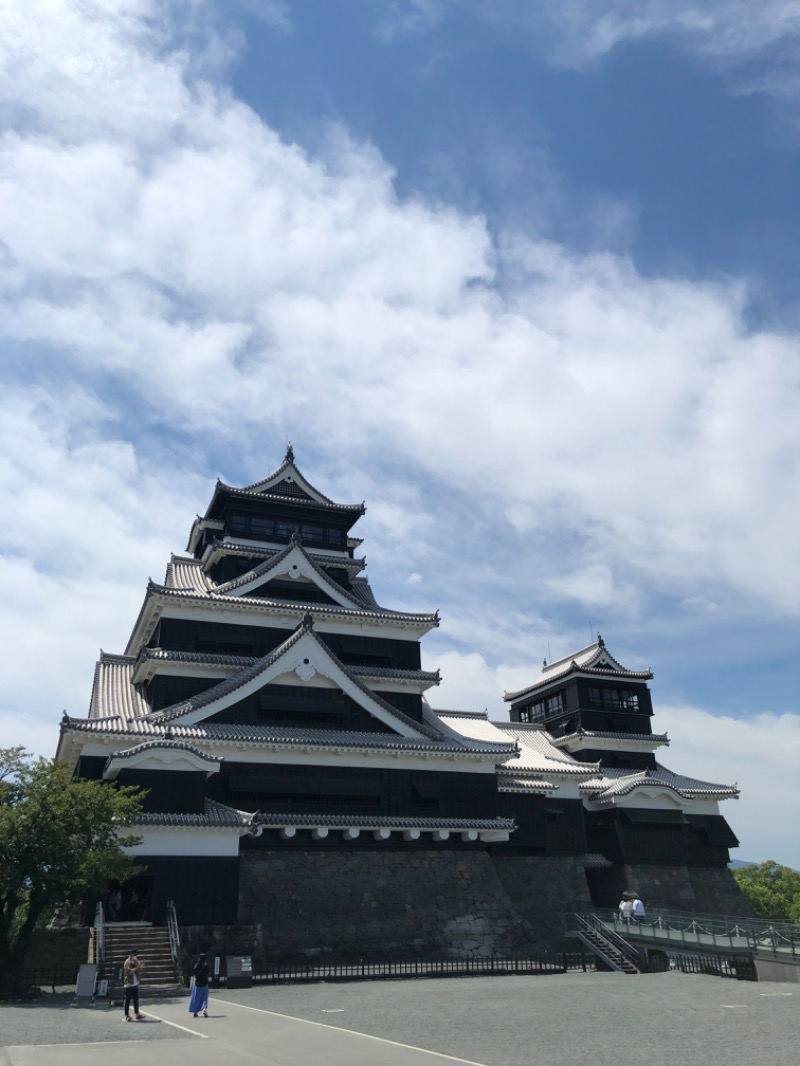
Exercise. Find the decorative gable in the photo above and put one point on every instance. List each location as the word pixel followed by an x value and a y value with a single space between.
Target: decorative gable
pixel 301 660
pixel 295 565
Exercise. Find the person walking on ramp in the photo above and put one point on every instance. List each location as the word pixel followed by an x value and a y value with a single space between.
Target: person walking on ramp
pixel 131 968
pixel 199 1000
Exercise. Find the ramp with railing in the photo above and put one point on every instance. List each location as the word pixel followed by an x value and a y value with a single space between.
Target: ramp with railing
pixel 750 945
pixel 710 933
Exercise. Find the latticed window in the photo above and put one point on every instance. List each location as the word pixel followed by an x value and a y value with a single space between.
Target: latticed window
pixel 613 699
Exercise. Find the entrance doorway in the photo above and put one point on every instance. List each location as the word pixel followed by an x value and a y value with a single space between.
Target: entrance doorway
pixel 130 901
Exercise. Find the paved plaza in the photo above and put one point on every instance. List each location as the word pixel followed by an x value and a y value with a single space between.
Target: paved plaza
pixel 593 1019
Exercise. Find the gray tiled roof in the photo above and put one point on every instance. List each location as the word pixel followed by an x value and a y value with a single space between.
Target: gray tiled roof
pixel 168 745
pixel 331 587
pixel 242 677
pixel 658 738
pixel 594 861
pixel 585 661
pixel 117 713
pixel 326 559
pixel 112 688
pixel 362 594
pixel 367 821
pixel 215 816
pixel 261 602
pixel 288 465
pixel 217 732
pixel 509 782
pixel 292 501
pixel 201 658
pixel 185 573
pixel 615 781
pixel 387 673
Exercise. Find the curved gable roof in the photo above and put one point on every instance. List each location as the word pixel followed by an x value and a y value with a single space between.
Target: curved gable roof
pixel 593 660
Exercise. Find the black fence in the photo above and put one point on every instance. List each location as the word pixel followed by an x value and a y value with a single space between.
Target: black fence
pixel 264 973
pixel 739 968
pixel 51 977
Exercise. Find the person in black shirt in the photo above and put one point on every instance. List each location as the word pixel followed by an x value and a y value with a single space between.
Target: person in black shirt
pixel 199 1000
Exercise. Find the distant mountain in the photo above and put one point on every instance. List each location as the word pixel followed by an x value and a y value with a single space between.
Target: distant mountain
pixel 734 864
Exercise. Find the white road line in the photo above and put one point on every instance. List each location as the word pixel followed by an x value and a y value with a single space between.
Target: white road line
pixel 83 1043
pixel 355 1032
pixel 166 1021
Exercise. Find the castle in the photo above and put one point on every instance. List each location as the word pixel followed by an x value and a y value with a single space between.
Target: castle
pixel 305 796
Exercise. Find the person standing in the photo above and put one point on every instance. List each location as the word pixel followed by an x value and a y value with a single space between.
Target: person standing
pixel 199 999
pixel 626 909
pixel 638 910
pixel 131 968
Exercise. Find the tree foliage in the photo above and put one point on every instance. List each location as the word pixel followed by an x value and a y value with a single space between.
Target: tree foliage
pixel 772 890
pixel 58 841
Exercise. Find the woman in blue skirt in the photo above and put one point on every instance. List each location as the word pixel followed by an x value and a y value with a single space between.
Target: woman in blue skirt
pixel 199 1000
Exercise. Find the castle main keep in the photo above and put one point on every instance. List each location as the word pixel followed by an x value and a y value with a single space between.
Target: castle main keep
pixel 306 796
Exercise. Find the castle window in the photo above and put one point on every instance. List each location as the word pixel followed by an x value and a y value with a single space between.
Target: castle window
pixel 239 523
pixel 547 707
pixel 335 537
pixel 262 526
pixel 313 534
pixel 613 699
pixel 284 530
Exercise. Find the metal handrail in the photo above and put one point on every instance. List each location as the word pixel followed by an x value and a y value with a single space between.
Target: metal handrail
pixel 749 933
pixel 622 945
pixel 725 924
pixel 174 937
pixel 592 923
pixel 99 935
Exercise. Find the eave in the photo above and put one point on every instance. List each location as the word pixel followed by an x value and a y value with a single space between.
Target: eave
pixel 586 740
pixel 157 598
pixel 350 512
pixel 543 685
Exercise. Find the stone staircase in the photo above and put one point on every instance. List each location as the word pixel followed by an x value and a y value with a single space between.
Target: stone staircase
pixel 159 977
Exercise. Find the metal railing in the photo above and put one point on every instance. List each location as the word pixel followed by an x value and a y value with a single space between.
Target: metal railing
pixel 99 935
pixel 592 923
pixel 707 930
pixel 738 968
pixel 266 973
pixel 174 939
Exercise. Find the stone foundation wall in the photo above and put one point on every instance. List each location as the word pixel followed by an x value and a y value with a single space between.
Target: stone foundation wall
pixel 717 892
pixel 542 889
pixel 703 889
pixel 357 904
pixel 345 905
pixel 350 905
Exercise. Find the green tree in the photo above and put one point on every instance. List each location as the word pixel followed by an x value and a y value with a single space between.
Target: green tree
pixel 772 890
pixel 58 841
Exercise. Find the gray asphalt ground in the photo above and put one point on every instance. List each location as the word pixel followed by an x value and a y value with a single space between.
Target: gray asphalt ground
pixel 589 1019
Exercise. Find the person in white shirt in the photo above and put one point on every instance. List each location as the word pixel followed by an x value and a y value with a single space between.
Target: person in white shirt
pixel 625 909
pixel 638 910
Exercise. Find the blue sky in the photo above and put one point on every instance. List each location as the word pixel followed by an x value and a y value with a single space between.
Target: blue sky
pixel 520 275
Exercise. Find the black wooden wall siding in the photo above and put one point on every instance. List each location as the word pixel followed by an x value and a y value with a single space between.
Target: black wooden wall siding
pixel 229 638
pixel 278 787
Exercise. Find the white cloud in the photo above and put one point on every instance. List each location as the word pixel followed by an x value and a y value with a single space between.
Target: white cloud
pixel 576 33
pixel 731 35
pixel 181 282
pixel 761 755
